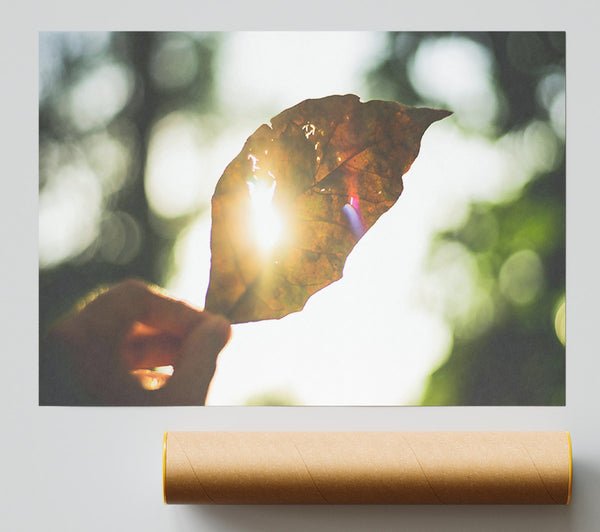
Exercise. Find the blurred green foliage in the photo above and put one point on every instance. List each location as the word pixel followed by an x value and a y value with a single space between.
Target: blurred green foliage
pixel 273 398
pixel 161 72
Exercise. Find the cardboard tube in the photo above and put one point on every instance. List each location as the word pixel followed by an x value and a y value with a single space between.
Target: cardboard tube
pixel 367 467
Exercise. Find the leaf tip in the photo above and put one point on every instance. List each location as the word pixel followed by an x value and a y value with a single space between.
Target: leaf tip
pixel 437 114
pixel 444 113
pixel 423 117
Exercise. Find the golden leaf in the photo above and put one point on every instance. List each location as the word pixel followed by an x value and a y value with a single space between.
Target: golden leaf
pixel 290 207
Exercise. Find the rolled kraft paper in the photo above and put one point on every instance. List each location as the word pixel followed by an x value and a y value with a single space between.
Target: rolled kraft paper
pixel 367 467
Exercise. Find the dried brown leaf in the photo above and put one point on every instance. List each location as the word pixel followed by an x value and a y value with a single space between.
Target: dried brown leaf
pixel 290 207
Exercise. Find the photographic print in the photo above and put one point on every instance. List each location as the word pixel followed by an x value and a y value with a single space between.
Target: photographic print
pixel 302 218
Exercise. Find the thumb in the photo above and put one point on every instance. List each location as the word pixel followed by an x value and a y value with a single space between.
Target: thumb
pixel 197 363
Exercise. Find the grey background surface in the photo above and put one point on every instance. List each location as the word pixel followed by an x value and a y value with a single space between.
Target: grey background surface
pixel 88 469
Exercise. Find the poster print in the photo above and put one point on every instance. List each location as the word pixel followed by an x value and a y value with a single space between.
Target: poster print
pixel 454 295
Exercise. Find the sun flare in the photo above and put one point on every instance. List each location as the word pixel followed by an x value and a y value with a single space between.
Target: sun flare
pixel 267 225
pixel 265 220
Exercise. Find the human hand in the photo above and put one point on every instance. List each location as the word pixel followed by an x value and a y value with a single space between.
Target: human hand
pixel 112 344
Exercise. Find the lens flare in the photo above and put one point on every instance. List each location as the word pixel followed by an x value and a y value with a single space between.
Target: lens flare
pixel 355 217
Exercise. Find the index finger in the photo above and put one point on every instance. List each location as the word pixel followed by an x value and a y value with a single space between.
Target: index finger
pixel 154 308
pixel 168 314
